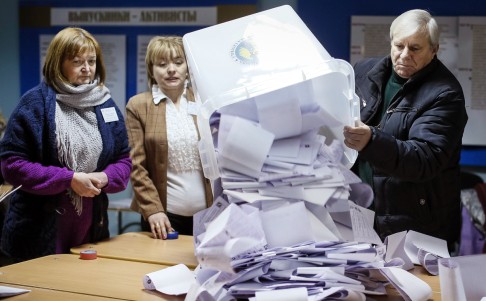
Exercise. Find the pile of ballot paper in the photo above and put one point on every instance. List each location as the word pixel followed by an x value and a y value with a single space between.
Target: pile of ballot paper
pixel 289 219
pixel 285 178
pixel 286 212
pixel 326 270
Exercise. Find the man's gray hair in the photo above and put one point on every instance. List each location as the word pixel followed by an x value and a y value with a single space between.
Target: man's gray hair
pixel 414 21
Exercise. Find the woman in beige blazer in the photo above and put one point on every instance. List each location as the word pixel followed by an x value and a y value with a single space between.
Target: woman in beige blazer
pixel 167 178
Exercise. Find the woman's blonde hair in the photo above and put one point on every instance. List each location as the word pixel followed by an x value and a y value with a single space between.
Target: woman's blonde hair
pixel 67 44
pixel 165 47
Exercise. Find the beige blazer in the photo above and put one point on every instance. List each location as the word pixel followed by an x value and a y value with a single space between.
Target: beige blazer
pixel 147 135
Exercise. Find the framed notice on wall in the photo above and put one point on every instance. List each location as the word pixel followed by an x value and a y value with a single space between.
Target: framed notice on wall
pixel 472 75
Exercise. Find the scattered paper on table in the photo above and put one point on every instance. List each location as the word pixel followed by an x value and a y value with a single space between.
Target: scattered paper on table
pixel 7 291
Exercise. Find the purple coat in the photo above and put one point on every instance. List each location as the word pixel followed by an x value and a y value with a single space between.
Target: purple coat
pixel 28 154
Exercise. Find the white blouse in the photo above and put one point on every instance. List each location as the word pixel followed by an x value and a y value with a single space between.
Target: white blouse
pixel 185 186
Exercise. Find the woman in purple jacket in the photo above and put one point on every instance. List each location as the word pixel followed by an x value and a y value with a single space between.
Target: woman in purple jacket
pixel 66 144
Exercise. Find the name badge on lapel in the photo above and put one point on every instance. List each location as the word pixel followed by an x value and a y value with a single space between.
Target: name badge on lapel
pixel 109 114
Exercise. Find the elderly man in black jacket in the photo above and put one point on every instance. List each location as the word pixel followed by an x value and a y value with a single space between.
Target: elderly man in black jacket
pixel 409 141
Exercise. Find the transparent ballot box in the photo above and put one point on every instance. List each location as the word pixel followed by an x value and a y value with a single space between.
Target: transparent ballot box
pixel 264 67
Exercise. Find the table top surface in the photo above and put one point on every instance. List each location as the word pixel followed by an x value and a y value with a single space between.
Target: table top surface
pixel 118 271
pixel 141 247
pixel 66 277
pixel 98 278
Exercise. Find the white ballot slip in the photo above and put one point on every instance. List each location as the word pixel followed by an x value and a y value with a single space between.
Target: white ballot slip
pixel 409 286
pixel 174 280
pixel 395 248
pixel 7 291
pixel 286 225
pixel 416 240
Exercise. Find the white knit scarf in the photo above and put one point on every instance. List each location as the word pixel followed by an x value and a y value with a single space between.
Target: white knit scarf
pixel 78 138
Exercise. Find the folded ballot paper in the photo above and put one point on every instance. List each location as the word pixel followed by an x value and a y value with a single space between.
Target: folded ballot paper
pixel 416 248
pixel 289 219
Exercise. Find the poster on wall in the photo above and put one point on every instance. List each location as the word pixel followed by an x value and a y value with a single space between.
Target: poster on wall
pixel 114 57
pixel 472 75
pixel 370 37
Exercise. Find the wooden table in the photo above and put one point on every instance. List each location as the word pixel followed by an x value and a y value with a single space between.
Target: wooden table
pixel 141 247
pixel 56 275
pixel 66 277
